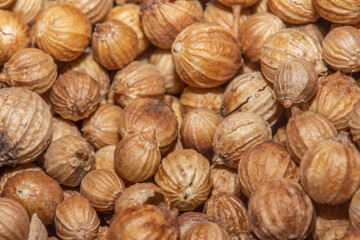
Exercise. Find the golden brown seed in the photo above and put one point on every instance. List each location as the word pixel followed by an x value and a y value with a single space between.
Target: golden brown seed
pixel 280 209
pixel 87 64
pixel 225 180
pixel 330 170
pixel 114 44
pixel 146 114
pixel 9 172
pixel 37 229
pixel 75 95
pixel 330 218
pixel 295 12
pixel 14 35
pixel 204 231
pixel 339 11
pixel 236 134
pixel 25 126
pixel 102 127
pixel 206 55
pixel 335 98
pixel 95 11
pixel 36 192
pixel 290 43
pixel 184 175
pixel 75 218
pixel 62 127
pixel 254 32
pixel 162 60
pixel 229 212
pixel 68 159
pixel 144 222
pixel 137 156
pixel 140 194
pixel 30 68
pixel 192 98
pixel 104 158
pixel 341 48
pixel 188 219
pixel 216 12
pixel 295 82
pixel 163 20
pixel 137 80
pixel 250 92
pixel 129 14
pixel 27 10
pixel 263 162
pixel 198 128
pixel 354 123
pixel 14 221
pixel 101 187
pixel 304 130
pixel 63 32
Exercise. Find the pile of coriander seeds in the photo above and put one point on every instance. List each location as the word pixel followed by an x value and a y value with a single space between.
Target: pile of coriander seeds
pixel 179 119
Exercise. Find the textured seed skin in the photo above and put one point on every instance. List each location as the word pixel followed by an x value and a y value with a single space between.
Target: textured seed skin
pixel 36 192
pixel 335 99
pixel 330 170
pixel 280 209
pixel 95 11
pixel 250 92
pixel 75 218
pixel 14 220
pixel 30 68
pixel 254 32
pixel 144 222
pixel 185 177
pixel 205 231
pixel 206 55
pixel 68 159
pixel 304 130
pixel 296 12
pixel 341 48
pixel 146 114
pixel 102 127
pixel 296 82
pixel 129 13
pixel 14 35
pixel 163 20
pixel 114 44
pixel 229 211
pixel 339 11
pixel 63 32
pixel 25 126
pixel 236 134
pixel 75 100
pixel 137 80
pixel 263 162
pixel 290 43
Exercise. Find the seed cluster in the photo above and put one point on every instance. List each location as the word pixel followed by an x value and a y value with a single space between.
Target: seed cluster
pixel 179 119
